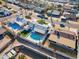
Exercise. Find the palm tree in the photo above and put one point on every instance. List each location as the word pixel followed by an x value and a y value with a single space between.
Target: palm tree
pixel 60 7
pixel 52 9
pixel 21 12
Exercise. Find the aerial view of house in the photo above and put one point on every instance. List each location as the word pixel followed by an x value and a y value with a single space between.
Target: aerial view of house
pixel 39 29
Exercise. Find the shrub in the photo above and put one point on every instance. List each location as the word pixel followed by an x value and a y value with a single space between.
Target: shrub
pixel 28 17
pixel 41 21
pixel 21 57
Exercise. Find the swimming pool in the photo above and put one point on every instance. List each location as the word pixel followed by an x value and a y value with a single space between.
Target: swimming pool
pixel 14 26
pixel 36 36
pixel 4 13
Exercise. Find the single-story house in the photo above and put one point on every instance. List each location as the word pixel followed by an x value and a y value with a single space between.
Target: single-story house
pixel 55 13
pixel 66 14
pixel 61 1
pixel 40 29
pixel 66 40
pixel 30 6
pixel 21 21
pixel 74 11
pixel 39 9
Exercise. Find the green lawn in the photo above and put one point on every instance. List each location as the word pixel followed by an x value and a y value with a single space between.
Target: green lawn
pixel 41 21
pixel 56 19
pixel 28 17
pixel 24 33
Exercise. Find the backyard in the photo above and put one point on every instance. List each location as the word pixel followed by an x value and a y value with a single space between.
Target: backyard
pixel 41 21
pixel 24 33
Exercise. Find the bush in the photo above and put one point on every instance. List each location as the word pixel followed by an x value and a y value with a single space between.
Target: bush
pixel 41 21
pixel 28 17
pixel 0 2
pixel 21 57
pixel 14 11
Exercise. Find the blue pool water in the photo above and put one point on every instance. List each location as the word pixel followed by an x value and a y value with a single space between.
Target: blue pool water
pixel 15 26
pixel 36 36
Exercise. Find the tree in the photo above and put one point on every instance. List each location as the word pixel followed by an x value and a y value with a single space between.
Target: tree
pixel 0 2
pixel 50 6
pixel 53 8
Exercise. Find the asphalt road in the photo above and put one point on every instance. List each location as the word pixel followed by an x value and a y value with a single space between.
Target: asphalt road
pixel 41 49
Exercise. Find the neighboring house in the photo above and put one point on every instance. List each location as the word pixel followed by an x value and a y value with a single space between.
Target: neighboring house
pixel 21 21
pixel 55 13
pixel 40 29
pixel 67 39
pixel 67 14
pixel 61 1
pixel 39 10
pixel 30 6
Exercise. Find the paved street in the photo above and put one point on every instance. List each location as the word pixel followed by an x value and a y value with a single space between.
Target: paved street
pixel 40 49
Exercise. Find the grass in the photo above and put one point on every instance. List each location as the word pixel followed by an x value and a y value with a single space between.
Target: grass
pixel 56 19
pixel 24 33
pixel 40 21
